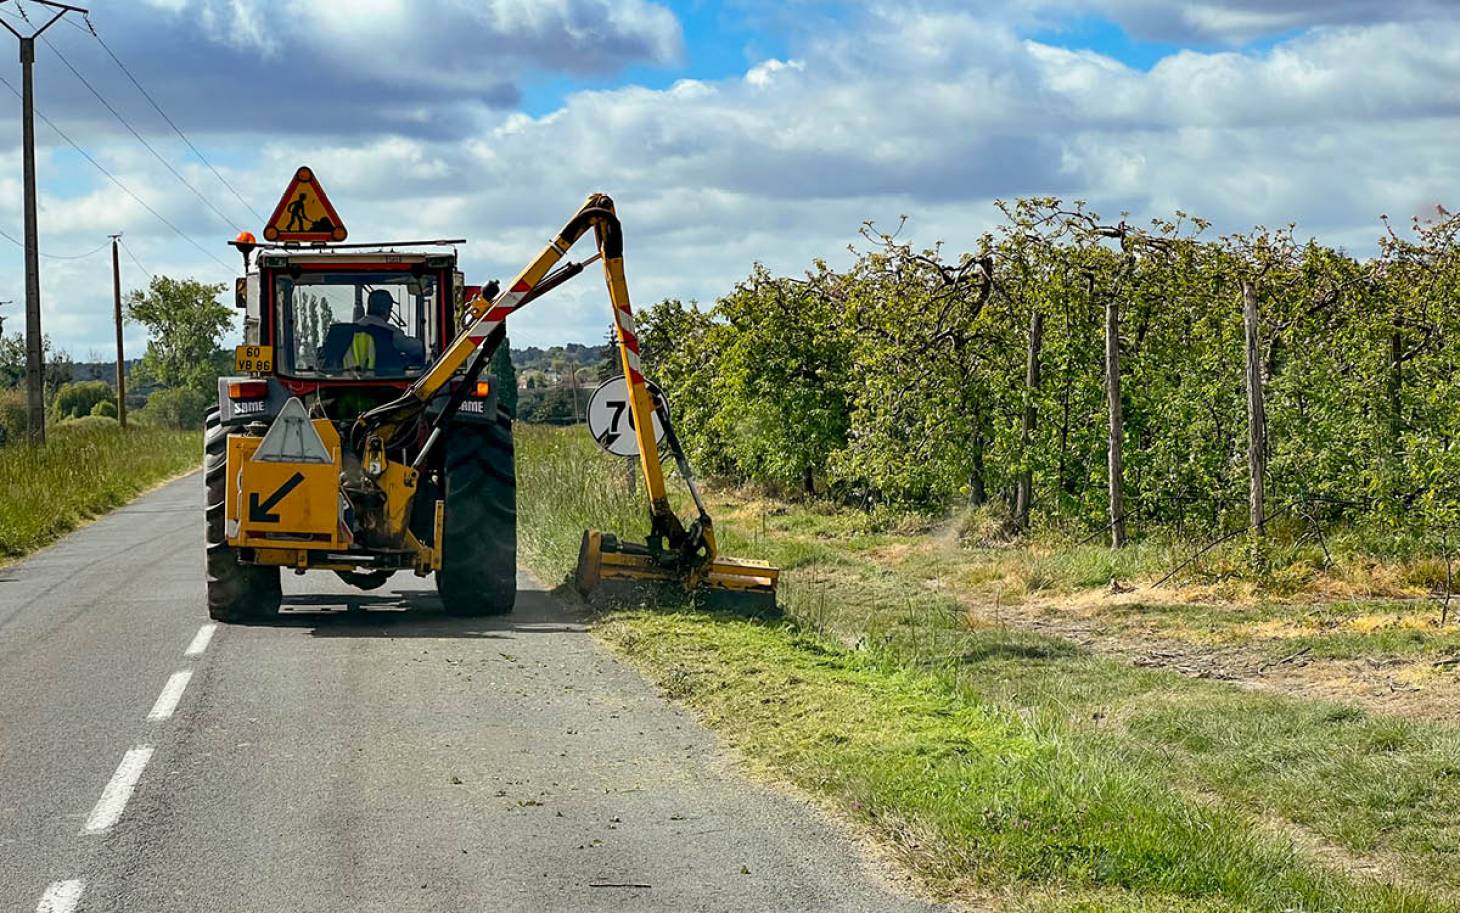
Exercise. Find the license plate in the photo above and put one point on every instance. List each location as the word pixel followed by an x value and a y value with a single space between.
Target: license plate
pixel 253 360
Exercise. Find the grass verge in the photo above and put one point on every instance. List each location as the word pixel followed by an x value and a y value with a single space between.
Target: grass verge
pixel 1014 767
pixel 81 473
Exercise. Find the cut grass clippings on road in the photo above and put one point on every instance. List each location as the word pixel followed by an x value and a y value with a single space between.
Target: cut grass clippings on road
pixel 81 473
pixel 1016 768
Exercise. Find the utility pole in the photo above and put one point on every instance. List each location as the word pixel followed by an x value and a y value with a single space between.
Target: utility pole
pixel 117 311
pixel 35 372
pixel 573 383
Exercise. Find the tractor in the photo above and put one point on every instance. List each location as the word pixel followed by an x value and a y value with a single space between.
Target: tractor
pixel 358 435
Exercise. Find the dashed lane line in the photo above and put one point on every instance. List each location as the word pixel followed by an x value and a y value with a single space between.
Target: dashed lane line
pixel 61 896
pixel 172 692
pixel 200 640
pixel 118 790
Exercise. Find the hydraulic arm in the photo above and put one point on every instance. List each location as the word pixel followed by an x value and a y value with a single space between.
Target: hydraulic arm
pixel 672 550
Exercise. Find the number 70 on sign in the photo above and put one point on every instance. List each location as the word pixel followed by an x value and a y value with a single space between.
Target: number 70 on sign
pixel 611 421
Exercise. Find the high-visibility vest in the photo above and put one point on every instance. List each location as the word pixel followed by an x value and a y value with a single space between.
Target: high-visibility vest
pixel 361 354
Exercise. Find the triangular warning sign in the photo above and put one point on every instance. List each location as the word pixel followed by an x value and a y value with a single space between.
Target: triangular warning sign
pixel 304 213
pixel 292 438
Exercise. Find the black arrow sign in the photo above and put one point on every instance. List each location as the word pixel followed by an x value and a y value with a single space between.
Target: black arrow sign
pixel 260 511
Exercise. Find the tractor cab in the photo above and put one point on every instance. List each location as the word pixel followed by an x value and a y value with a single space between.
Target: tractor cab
pixel 349 330
pixel 343 327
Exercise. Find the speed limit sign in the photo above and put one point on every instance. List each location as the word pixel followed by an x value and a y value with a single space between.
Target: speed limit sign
pixel 611 419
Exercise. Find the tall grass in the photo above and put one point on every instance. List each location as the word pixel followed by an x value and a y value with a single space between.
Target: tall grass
pixel 566 484
pixel 84 470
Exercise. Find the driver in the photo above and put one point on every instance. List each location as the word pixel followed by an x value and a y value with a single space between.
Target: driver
pixel 377 314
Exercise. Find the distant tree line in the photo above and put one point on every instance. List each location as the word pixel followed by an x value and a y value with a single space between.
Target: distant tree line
pixel 1080 370
pixel 556 383
pixel 172 384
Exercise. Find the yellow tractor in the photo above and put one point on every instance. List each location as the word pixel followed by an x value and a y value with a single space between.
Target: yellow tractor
pixel 358 435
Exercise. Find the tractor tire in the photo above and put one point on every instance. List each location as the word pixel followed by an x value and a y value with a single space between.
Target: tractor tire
pixel 237 593
pixel 478 573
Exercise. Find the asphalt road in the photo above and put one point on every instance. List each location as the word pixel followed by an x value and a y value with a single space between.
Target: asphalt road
pixel 376 760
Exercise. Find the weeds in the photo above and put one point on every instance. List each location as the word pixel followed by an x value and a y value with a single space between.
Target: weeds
pixel 83 471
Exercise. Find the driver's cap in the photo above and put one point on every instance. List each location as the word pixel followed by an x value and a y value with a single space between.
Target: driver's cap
pixel 380 303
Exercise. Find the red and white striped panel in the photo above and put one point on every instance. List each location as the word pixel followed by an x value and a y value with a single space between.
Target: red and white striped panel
pixel 498 312
pixel 625 321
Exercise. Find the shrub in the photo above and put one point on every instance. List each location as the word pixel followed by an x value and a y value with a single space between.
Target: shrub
pixel 180 408
pixel 106 408
pixel 77 399
pixel 14 416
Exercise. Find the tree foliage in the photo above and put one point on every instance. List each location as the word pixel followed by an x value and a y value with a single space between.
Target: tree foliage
pixel 902 378
pixel 504 377
pixel 12 362
pixel 185 322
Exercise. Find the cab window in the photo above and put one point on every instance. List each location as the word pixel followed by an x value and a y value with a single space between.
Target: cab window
pixel 355 324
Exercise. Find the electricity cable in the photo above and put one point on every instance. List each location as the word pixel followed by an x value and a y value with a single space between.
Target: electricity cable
pixel 117 181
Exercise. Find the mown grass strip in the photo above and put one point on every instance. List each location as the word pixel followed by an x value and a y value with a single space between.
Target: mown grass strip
pixel 971 795
pixel 1005 761
pixel 81 473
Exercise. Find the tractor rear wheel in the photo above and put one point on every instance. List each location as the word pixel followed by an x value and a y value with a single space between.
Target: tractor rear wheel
pixel 237 592
pixel 478 573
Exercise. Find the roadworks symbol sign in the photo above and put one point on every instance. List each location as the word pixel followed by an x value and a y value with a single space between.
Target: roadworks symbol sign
pixel 304 213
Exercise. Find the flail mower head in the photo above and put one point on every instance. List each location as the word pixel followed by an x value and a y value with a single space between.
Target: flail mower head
pixel 604 557
pixel 673 551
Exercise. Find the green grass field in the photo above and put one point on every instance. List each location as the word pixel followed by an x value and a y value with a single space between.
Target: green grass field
pixel 1007 766
pixel 81 473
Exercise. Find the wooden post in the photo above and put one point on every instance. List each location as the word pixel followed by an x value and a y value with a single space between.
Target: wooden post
pixel 1256 412
pixel 1396 400
pixel 1117 422
pixel 117 313
pixel 35 371
pixel 1024 493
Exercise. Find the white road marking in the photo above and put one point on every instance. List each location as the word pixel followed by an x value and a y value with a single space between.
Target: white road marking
pixel 200 640
pixel 61 896
pixel 172 692
pixel 114 798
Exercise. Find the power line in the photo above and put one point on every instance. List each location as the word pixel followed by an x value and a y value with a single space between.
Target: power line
pixel 163 114
pixel 148 146
pixel 134 259
pixel 124 188
pixel 123 121
pixel 11 238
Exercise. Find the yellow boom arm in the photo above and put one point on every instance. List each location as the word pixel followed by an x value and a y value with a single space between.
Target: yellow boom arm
pixel 484 329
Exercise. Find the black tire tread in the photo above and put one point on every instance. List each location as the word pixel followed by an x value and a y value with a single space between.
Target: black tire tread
pixel 478 573
pixel 237 593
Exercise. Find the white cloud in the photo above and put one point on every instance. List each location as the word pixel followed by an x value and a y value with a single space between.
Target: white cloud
pixel 931 114
pixel 436 42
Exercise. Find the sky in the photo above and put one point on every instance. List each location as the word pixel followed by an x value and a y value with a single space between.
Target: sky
pixel 729 132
